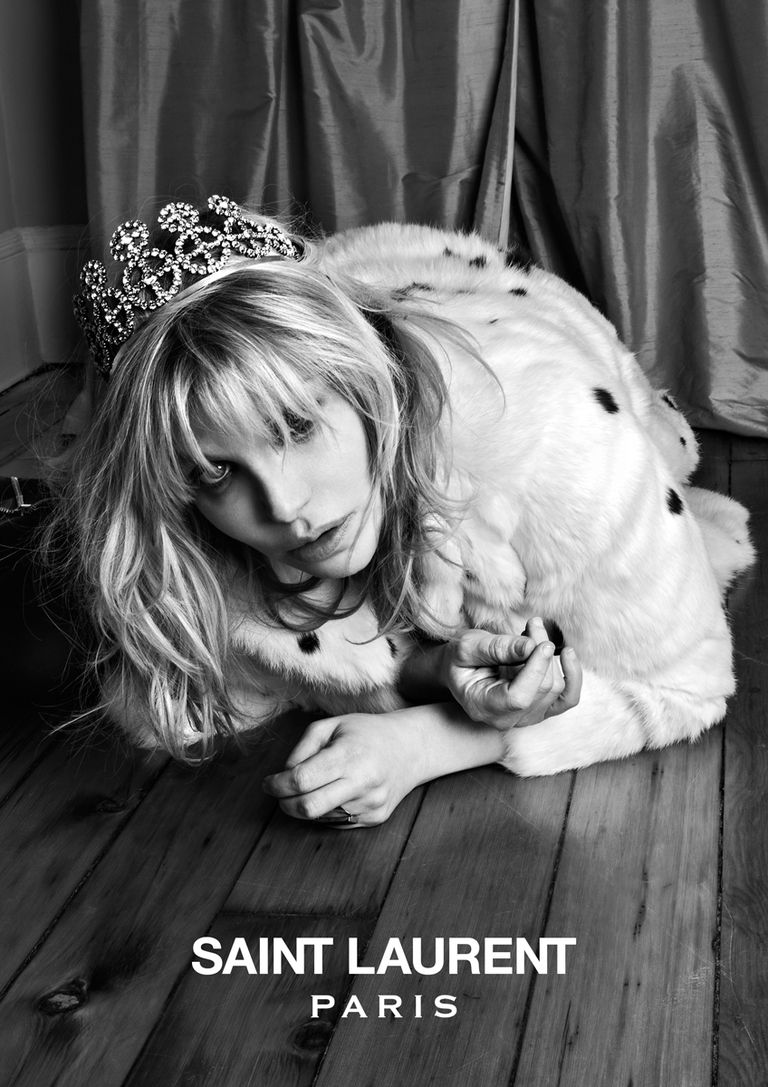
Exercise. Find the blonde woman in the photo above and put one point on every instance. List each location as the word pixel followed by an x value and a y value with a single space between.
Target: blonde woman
pixel 378 477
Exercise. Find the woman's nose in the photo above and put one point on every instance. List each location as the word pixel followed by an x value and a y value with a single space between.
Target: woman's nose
pixel 286 490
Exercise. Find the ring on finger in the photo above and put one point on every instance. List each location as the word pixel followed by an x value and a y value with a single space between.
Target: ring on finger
pixel 337 816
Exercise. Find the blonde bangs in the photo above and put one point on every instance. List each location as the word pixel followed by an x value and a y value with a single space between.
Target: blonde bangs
pixel 250 356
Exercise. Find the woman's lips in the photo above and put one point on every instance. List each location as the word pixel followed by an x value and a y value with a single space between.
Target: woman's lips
pixel 325 545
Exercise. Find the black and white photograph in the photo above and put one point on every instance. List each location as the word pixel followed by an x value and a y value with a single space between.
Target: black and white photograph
pixel 383 497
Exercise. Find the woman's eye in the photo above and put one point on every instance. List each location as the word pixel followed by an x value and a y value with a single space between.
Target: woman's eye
pixel 300 429
pixel 215 475
pixel 300 426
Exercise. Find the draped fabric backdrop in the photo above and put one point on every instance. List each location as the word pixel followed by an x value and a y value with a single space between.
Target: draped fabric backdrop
pixel 641 172
pixel 640 159
pixel 346 114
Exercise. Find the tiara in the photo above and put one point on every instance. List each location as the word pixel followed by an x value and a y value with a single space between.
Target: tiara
pixel 200 243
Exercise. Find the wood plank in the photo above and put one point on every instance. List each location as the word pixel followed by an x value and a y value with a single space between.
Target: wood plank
pixel 637 887
pixel 714 449
pixel 479 864
pixel 327 872
pixel 82 1009
pixel 24 741
pixel 743 1045
pixel 244 1029
pixel 749 449
pixel 71 807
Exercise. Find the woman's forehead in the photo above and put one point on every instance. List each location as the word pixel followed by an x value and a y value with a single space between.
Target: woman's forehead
pixel 253 425
pixel 253 419
pixel 229 397
pixel 224 441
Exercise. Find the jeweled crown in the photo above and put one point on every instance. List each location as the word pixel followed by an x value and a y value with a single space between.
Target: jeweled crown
pixel 198 244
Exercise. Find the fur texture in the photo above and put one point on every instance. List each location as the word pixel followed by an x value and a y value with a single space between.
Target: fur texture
pixel 579 511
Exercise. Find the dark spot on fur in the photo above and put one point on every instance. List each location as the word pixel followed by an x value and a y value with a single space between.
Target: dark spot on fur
pixel 392 647
pixel 521 292
pixel 403 292
pixel 309 642
pixel 669 401
pixel 448 252
pixel 555 634
pixel 683 442
pixel 469 577
pixel 674 501
pixel 605 400
pixel 478 262
pixel 493 321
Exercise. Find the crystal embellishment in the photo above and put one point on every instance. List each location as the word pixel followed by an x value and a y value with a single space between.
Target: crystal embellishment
pixel 197 245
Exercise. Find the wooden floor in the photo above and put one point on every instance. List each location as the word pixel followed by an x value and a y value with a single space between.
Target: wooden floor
pixel 657 867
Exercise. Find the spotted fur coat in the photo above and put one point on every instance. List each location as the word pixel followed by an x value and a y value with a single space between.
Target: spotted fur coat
pixel 579 512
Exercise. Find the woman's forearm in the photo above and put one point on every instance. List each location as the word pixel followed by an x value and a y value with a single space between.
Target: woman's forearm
pixel 446 740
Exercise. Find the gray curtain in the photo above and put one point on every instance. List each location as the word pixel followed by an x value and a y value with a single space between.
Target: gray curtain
pixel 342 114
pixel 641 175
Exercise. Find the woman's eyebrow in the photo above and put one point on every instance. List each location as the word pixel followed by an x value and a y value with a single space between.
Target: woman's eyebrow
pixel 218 451
pixel 209 448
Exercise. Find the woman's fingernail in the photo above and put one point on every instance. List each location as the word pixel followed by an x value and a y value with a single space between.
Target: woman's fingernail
pixel 548 649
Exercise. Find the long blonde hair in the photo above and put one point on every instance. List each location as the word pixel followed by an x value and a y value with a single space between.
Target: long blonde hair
pixel 254 339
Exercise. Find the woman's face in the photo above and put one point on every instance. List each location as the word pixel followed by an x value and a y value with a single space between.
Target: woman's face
pixel 306 505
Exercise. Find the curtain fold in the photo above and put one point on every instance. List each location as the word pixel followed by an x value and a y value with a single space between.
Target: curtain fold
pixel 340 114
pixel 493 207
pixel 640 175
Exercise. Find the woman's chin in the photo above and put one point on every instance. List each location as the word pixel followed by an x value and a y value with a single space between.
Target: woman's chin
pixel 345 564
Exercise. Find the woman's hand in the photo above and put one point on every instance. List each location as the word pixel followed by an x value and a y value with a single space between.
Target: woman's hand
pixel 509 681
pixel 365 762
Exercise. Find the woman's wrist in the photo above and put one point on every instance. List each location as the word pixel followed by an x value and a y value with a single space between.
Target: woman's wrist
pixel 447 741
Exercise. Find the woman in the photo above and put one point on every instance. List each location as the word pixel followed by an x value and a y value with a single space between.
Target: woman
pixel 343 475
